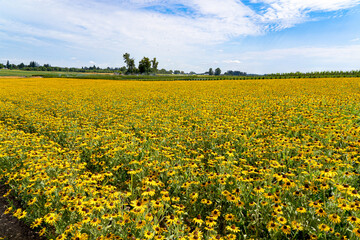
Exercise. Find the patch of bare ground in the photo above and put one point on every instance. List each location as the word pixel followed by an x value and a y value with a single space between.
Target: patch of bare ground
pixel 12 228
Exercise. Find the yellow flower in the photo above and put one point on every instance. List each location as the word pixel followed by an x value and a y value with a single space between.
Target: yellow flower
pixel 229 217
pixel 301 210
pixel 357 232
pixel 282 220
pixel 296 226
pixel 8 210
pixel 320 212
pixel 353 219
pixel 148 235
pixel 286 229
pixel 324 228
pixel 258 190
pixel 22 215
pixel 198 220
pixel 32 201
pixel 210 222
pixel 42 232
pixel 335 218
pixel 36 223
pixel 172 219
pixel 271 226
pixel 95 221
pixel 233 228
pixel 140 224
pixel 216 213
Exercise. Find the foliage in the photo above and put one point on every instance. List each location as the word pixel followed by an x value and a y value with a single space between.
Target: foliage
pixel 145 65
pixel 130 63
pixel 211 71
pixel 217 72
pixel 235 73
pixel 154 65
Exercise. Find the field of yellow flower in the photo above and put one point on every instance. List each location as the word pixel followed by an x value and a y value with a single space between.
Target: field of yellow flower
pixel 261 159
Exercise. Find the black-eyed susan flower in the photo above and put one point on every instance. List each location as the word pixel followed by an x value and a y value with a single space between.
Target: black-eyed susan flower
pixel 94 222
pixel 356 231
pixel 353 219
pixel 230 217
pixel 171 219
pixel 36 223
pixel 296 226
pixel 334 218
pixel 233 228
pixel 42 232
pixel 301 210
pixel 286 229
pixel 323 227
pixel 198 220
pixel 272 226
pixel 8 210
pixel 148 234
pixel 320 212
pixel 140 224
pixel 51 218
pixel 282 220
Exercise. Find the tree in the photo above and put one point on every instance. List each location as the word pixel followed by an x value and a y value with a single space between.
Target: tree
pixel 21 65
pixel 217 71
pixel 154 65
pixel 176 71
pixel 2 65
pixel 7 64
pixel 211 71
pixel 145 65
pixel 123 69
pixel 130 63
pixel 163 71
pixel 33 64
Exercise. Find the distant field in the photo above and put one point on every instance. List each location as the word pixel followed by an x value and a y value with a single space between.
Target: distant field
pixel 16 73
pixel 274 159
pixel 111 76
pixel 175 77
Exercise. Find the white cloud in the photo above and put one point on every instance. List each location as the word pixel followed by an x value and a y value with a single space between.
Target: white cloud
pixel 287 13
pixel 110 24
pixel 232 61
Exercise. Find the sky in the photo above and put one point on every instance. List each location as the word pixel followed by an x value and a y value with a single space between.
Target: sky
pixel 254 36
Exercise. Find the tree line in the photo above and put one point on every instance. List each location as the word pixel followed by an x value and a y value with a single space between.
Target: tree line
pixel 147 66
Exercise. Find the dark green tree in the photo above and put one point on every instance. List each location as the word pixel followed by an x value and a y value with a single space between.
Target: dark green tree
pixel 130 63
pixel 21 65
pixel 7 64
pixel 154 65
pixel 145 65
pixel 211 71
pixel 33 64
pixel 217 71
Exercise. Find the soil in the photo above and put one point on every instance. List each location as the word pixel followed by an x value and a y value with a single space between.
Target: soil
pixel 10 227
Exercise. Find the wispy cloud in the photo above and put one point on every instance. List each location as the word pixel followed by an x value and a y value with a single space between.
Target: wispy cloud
pixel 287 13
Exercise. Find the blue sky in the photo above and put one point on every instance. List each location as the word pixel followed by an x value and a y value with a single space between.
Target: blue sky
pixel 255 36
